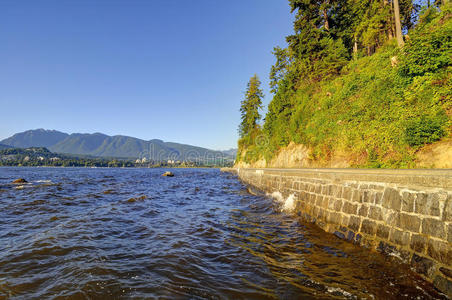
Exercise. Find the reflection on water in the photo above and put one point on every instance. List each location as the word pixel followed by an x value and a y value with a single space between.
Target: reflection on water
pixel 130 233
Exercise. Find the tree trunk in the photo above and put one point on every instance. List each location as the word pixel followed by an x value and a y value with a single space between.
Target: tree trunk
pixel 325 16
pixel 391 23
pixel 355 49
pixel 398 26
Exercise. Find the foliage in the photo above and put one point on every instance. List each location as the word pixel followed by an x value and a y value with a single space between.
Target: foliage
pixel 250 107
pixel 430 48
pixel 423 130
pixel 378 108
pixel 40 156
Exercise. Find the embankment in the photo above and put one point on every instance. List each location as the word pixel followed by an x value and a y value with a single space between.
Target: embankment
pixel 403 213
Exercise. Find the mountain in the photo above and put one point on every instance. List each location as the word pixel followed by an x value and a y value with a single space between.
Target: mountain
pixel 232 152
pixel 35 138
pixel 5 147
pixel 102 145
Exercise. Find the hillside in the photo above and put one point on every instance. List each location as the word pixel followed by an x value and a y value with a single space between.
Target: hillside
pixel 101 145
pixel 5 147
pixel 390 108
pixel 35 138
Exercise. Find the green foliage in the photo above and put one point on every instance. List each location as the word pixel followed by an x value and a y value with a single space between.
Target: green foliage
pixel 377 109
pixel 250 106
pixel 429 48
pixel 424 130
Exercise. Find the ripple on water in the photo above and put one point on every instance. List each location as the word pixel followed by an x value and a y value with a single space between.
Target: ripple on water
pixel 130 233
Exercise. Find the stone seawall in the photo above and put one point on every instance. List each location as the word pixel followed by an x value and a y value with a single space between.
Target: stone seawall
pixel 404 213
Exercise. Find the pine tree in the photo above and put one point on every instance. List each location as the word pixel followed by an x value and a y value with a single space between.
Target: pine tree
pixel 250 107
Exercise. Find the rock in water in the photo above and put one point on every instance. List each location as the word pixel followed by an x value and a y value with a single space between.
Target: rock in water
pixel 168 174
pixel 20 180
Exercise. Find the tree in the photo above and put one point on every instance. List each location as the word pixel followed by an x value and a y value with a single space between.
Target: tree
pixel 398 25
pixel 250 107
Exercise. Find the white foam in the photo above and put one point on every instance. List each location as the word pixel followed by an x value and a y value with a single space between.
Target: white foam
pixel 277 196
pixel 287 205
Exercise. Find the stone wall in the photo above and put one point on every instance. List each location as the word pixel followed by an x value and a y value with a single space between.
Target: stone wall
pixel 404 213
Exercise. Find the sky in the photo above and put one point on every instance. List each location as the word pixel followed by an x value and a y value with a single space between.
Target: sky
pixel 175 70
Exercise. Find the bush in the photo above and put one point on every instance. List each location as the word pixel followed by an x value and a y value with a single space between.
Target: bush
pixel 428 49
pixel 423 130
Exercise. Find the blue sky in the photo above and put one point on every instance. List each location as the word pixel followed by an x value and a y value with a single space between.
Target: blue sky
pixel 171 69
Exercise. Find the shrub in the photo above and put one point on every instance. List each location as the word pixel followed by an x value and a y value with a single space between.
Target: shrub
pixel 428 49
pixel 423 130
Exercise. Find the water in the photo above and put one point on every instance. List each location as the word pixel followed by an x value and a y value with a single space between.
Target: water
pixel 131 234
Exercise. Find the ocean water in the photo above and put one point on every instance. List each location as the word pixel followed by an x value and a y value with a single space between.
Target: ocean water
pixel 77 233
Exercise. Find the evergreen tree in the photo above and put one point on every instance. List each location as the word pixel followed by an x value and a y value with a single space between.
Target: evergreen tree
pixel 250 107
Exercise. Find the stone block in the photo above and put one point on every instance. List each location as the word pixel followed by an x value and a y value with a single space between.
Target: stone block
pixel 354 223
pixel 366 196
pixel 399 237
pixel 376 187
pixel 347 193
pixel 337 205
pixel 432 207
pixel 350 208
pixel 332 189
pixel 324 190
pixel 345 220
pixel 322 214
pixel 387 248
pixel 363 210
pixel 378 196
pixel 409 222
pixel 439 251
pixel 443 284
pixel 408 201
pixel 335 218
pixel 363 186
pixel 449 233
pixel 422 265
pixel 318 199
pixel 339 191
pixel 311 188
pixel 369 227
pixel 434 228
pixel 356 197
pixel 383 231
pixel 375 213
pixel 420 203
pixel 391 218
pixel 418 243
pixel 392 199
pixel 318 189
pixel 315 211
pixel 331 202
pixel 447 214
pixel 325 202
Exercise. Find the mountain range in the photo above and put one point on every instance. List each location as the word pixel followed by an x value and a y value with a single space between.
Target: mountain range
pixel 118 146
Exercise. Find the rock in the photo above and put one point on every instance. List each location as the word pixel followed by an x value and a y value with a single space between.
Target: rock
pixel 20 180
pixel 168 174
